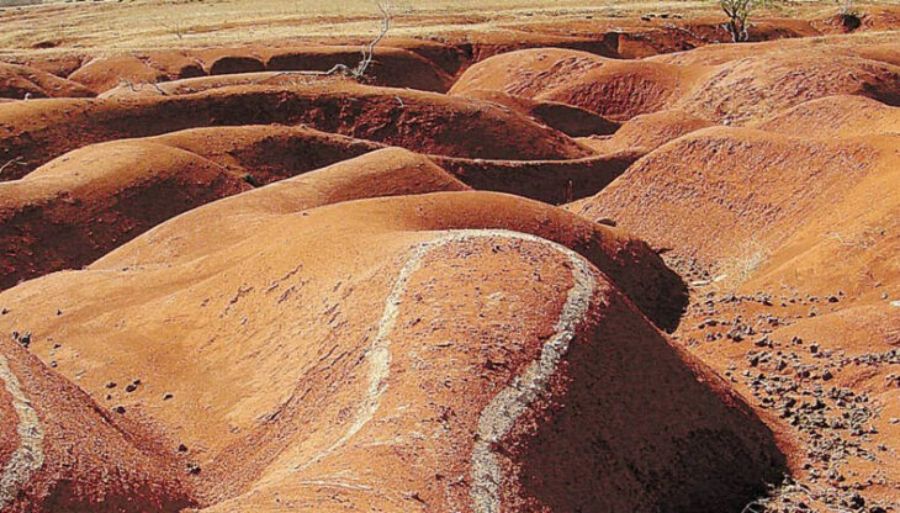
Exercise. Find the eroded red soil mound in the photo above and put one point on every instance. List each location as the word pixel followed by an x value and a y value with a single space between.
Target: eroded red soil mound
pixel 787 233
pixel 526 73
pixel 614 88
pixel 396 67
pixel 273 317
pixel 78 207
pixel 386 172
pixel 432 305
pixel 18 82
pixel 732 86
pixel 61 452
pixel 754 88
pixel 566 118
pixel 835 116
pixel 622 90
pixel 424 122
pixel 105 73
pixel 768 198
pixel 647 132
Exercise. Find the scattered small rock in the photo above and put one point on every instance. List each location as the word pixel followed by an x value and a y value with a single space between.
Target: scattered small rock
pixel 24 339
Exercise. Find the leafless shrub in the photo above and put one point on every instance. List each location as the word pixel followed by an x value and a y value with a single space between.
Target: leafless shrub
pixel 738 12
pixel 177 28
pixel 748 258
pixel 848 15
pixel 357 72
pixel 369 51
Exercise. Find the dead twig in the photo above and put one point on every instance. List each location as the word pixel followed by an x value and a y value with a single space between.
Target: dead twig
pixel 369 52
pixel 357 72
pixel 16 161
pixel 140 87
pixel 177 29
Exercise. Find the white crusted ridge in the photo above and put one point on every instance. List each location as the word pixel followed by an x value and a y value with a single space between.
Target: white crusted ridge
pixel 498 418
pixel 501 414
pixel 29 455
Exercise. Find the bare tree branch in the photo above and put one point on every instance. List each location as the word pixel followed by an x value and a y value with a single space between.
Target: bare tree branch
pixel 367 54
pixel 738 11
pixel 16 161
pixel 369 51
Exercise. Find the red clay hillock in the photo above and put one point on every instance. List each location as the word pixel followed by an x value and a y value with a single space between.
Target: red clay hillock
pixel 773 205
pixel 80 206
pixel 20 82
pixel 63 453
pixel 647 132
pixel 754 88
pixel 395 67
pixel 424 122
pixel 730 85
pixel 385 172
pixel 344 356
pixel 132 70
pixel 617 89
pixel 568 119
pixel 835 116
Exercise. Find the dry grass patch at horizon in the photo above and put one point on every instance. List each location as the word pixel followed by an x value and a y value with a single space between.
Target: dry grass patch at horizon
pixel 178 23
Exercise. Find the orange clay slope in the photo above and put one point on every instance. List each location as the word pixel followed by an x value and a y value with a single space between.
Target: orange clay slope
pixel 61 452
pixel 835 116
pixel 417 353
pixel 647 132
pixel 785 201
pixel 618 89
pixel 568 119
pixel 788 235
pixel 19 82
pixel 386 172
pixel 38 131
pixel 78 207
pixel 732 85
pixel 135 71
pixel 426 63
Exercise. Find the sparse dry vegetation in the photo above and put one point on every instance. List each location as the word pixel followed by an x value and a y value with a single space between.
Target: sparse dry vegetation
pixel 169 23
pixel 738 12
pixel 359 71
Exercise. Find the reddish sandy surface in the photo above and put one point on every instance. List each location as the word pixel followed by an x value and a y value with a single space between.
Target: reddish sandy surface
pixel 589 264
